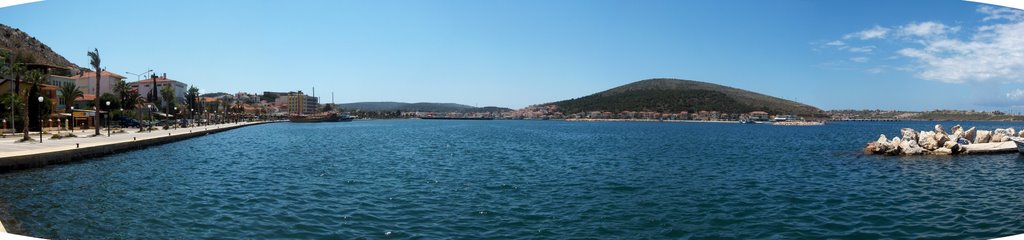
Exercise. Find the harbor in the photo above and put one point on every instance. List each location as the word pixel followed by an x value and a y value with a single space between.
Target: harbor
pixel 954 142
pixel 20 155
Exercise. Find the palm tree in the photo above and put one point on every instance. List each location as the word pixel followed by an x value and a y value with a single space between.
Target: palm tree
pixel 122 88
pixel 167 93
pixel 94 57
pixel 70 92
pixel 35 77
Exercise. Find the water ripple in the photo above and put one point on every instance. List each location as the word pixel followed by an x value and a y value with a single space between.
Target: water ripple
pixel 522 179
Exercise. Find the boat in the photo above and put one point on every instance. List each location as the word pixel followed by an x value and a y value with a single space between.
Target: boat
pixel 345 118
pixel 457 118
pixel 333 117
pixel 1019 142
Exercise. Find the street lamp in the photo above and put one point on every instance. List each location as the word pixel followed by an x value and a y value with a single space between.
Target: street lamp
pixel 4 133
pixel 150 107
pixel 40 119
pixel 72 119
pixel 108 118
pixel 175 117
pixel 138 77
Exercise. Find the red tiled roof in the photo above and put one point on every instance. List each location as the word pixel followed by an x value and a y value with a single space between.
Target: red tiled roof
pixel 150 80
pixel 88 74
pixel 86 97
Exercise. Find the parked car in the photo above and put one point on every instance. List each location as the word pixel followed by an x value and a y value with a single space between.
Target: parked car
pixel 165 122
pixel 128 122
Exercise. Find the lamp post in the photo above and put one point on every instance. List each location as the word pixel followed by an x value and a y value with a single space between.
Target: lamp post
pixel 72 119
pixel 150 108
pixel 175 117
pixel 108 118
pixel 138 77
pixel 40 119
pixel 4 133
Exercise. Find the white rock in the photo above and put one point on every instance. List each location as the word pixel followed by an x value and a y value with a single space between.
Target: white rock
pixel 909 134
pixel 983 136
pixel 970 134
pixel 941 139
pixel 911 148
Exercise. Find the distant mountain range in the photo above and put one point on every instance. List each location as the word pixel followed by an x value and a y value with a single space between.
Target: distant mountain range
pixel 417 107
pixel 675 95
pixel 13 40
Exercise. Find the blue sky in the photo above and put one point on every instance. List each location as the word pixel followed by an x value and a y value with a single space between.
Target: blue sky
pixel 908 55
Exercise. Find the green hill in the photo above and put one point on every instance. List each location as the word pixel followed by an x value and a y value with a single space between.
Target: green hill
pixel 13 40
pixel 418 107
pixel 674 95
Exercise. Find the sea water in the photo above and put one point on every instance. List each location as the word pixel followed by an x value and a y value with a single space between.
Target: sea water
pixel 523 179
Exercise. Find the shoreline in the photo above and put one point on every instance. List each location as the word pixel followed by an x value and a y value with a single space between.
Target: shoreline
pixel 33 154
pixel 65 152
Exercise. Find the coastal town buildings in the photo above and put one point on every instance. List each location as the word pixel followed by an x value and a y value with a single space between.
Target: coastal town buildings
pixel 298 103
pixel 145 87
pixel 60 81
pixel 86 82
pixel 45 90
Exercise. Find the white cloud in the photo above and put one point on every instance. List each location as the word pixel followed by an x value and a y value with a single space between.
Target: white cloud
pixel 926 29
pixel 1001 13
pixel 864 49
pixel 875 70
pixel 835 43
pixel 994 52
pixel 1016 94
pixel 860 59
pixel 872 33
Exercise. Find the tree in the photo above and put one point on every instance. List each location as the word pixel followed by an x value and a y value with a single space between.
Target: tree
pixel 167 93
pixel 31 106
pixel 122 88
pixel 109 97
pixel 94 60
pixel 192 100
pixel 13 101
pixel 69 92
pixel 328 108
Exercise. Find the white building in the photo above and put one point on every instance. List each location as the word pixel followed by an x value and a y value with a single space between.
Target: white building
pixel 60 81
pixel 86 82
pixel 145 88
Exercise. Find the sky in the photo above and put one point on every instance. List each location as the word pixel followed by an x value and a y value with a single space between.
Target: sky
pixel 902 55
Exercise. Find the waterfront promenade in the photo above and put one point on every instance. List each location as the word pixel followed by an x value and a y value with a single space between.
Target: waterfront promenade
pixel 15 155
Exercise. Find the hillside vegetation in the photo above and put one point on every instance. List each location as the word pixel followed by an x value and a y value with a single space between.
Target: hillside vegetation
pixel 674 95
pixel 13 40
pixel 418 107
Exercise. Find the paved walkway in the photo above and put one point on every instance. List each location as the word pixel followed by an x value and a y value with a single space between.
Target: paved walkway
pixel 9 147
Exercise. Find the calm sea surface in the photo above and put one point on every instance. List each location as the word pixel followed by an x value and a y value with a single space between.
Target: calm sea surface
pixel 523 179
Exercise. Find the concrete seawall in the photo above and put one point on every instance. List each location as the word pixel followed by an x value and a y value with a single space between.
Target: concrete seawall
pixel 45 157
